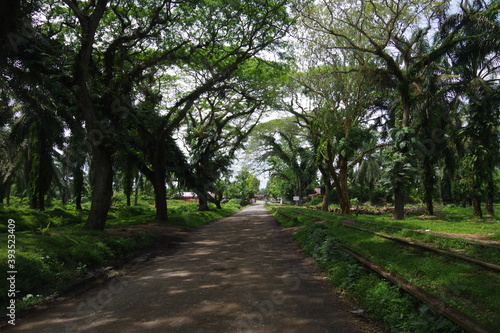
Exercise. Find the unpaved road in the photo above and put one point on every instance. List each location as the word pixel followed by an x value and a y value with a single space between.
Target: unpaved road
pixel 239 274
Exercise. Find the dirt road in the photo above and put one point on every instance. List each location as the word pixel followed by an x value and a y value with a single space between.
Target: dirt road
pixel 238 274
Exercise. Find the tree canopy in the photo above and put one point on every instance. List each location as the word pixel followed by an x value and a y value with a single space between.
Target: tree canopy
pixel 395 101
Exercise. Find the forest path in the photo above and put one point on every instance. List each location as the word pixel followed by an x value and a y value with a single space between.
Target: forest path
pixel 242 273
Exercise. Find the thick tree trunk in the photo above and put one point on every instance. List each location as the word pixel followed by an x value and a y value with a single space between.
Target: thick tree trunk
pixel 157 178
pixel 399 202
pixel 218 203
pixel 160 190
pixel 203 200
pixel 328 189
pixel 345 205
pixel 339 180
pixel 476 200
pixel 343 197
pixel 216 199
pixel 476 206
pixel 102 188
pixel 41 201
pixel 399 193
pixel 327 196
pixel 78 202
pixel 299 183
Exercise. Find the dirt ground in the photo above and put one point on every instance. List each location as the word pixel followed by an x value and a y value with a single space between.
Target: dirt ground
pixel 242 273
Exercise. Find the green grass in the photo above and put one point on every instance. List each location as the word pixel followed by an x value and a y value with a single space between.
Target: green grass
pixel 466 286
pixel 53 250
pixel 383 301
pixel 444 223
pixel 48 262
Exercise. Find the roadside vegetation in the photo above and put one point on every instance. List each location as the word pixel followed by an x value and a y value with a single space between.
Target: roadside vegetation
pixel 392 102
pixel 54 251
pixel 463 285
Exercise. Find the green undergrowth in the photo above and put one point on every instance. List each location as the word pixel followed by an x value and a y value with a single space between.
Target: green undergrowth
pixel 452 244
pixel 49 262
pixel 415 229
pixel 448 219
pixel 380 299
pixel 53 250
pixel 465 286
pixel 194 218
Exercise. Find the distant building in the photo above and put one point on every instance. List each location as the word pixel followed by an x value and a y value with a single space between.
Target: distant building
pixel 317 191
pixel 188 197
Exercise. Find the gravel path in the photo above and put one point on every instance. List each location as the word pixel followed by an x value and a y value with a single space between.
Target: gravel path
pixel 239 274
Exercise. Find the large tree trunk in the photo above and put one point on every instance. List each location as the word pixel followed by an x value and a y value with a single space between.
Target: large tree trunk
pixel 327 196
pixel 339 180
pixel 160 190
pixel 345 205
pixel 299 185
pixel 476 206
pixel 216 199
pixel 41 201
pixel 102 188
pixel 328 189
pixel 203 200
pixel 157 178
pixel 78 200
pixel 343 196
pixel 399 202
pixel 476 200
pixel 399 192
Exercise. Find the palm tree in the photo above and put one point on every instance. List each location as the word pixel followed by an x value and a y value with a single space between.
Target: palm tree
pixel 9 151
pixel 40 131
pixel 475 62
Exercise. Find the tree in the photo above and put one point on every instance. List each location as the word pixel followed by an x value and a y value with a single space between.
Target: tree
pixel 336 123
pixel 220 122
pixel 390 32
pixel 475 64
pixel 282 143
pixel 244 186
pixel 112 46
pixel 40 132
pixel 11 152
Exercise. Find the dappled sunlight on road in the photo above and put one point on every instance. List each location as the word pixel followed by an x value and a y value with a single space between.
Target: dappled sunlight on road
pixel 238 274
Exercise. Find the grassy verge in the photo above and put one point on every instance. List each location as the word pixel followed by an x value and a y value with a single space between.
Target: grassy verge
pixel 469 288
pixel 53 250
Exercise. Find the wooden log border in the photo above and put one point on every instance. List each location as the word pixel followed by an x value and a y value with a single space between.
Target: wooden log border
pixel 458 317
